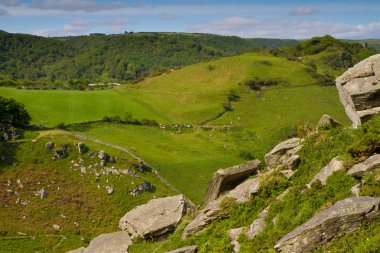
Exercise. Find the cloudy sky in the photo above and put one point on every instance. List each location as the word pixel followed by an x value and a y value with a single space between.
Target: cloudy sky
pixel 251 19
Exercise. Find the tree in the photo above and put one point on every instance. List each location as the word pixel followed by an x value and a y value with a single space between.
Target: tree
pixel 13 112
pixel 232 95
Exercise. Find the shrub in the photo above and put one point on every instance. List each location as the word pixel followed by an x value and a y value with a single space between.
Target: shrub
pixel 13 112
pixel 227 106
pixel 115 119
pixel 106 119
pixel 149 122
pixel 128 118
pixel 232 95
pixel 246 155
pixel 60 126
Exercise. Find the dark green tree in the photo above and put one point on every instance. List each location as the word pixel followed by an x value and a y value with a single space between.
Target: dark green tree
pixel 13 112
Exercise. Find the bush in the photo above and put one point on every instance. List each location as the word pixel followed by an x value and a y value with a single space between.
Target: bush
pixel 227 106
pixel 13 112
pixel 128 118
pixel 106 119
pixel 149 122
pixel 115 119
pixel 60 126
pixel 246 155
pixel 232 95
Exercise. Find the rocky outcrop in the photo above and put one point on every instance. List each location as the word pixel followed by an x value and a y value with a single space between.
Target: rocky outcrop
pixel 227 179
pixel 359 90
pixel 361 169
pixel 155 219
pixel 343 217
pixel 284 155
pixel 233 235
pixel 242 193
pixel 328 170
pixel 79 250
pixel 190 249
pixel 257 225
pixel 327 121
pixel 117 242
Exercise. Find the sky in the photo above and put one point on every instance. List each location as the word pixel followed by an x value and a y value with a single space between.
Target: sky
pixel 286 19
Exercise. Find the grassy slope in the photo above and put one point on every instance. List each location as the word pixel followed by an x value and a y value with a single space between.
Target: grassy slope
pixel 70 193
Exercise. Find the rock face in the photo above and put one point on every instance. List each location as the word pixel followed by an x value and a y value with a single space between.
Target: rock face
pixel 359 90
pixel 117 242
pixel 344 217
pixel 327 121
pixel 190 249
pixel 284 155
pixel 242 193
pixel 361 169
pixel 155 219
pixel 227 179
pixel 333 165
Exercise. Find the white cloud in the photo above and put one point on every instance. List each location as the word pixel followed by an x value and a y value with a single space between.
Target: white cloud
pixel 303 10
pixel 167 16
pixel 3 12
pixel 76 5
pixel 276 28
pixel 10 2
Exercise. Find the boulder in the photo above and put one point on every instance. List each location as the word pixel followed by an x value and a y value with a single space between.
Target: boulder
pixel 189 249
pixel 257 225
pixel 49 146
pixel 342 218
pixel 325 172
pixel 242 193
pixel 81 148
pixel 361 169
pixel 359 90
pixel 327 121
pixel 227 179
pixel 117 242
pixel 284 155
pixel 154 219
pixel 79 250
pixel 355 190
pixel 233 235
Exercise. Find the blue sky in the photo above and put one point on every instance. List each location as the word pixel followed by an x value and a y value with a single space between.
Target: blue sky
pixel 251 19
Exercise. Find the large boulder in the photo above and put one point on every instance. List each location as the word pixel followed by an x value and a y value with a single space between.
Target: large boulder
pixel 359 90
pixel 242 193
pixel 227 179
pixel 117 242
pixel 361 169
pixel 343 217
pixel 326 121
pixel 328 170
pixel 155 219
pixel 284 155
pixel 189 249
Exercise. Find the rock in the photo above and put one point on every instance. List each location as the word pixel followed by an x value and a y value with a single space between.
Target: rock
pixel 190 249
pixel 234 234
pixel 154 219
pixel 49 146
pixel 109 189
pixel 355 190
pixel 325 172
pixel 117 242
pixel 80 250
pixel 284 155
pixel 56 227
pixel 103 157
pixel 342 218
pixel 257 225
pixel 41 194
pixel 81 148
pixel 359 90
pixel 112 159
pixel 227 179
pixel 361 169
pixel 242 193
pixel 287 173
pixel 327 121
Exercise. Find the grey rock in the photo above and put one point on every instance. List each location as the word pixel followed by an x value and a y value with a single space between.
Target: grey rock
pixel 227 179
pixel 233 235
pixel 79 250
pixel 42 193
pixel 81 148
pixel 287 173
pixel 103 157
pixel 49 146
pixel 355 190
pixel 258 225
pixel 342 218
pixel 117 242
pixel 154 219
pixel 359 90
pixel 361 169
pixel 325 172
pixel 284 154
pixel 189 249
pixel 56 227
pixel 327 121
pixel 109 189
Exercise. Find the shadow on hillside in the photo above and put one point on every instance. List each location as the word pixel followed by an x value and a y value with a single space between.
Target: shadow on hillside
pixel 8 155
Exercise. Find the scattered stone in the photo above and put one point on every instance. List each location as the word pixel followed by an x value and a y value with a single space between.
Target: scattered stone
pixel 81 148
pixel 49 146
pixel 56 227
pixel 25 202
pixel 109 189
pixel 92 154
pixel 146 186
pixel 227 179
pixel 131 173
pixel 287 173
pixel 112 159
pixel 326 122
pixel 257 225
pixel 103 157
pixel 83 169
pixel 117 242
pixel 189 249
pixel 332 166
pixel 355 190
pixel 155 219
pixel 284 155
pixel 22 233
pixel 361 169
pixel 342 218
pixel 359 90
pixel 233 235
pixel 41 194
